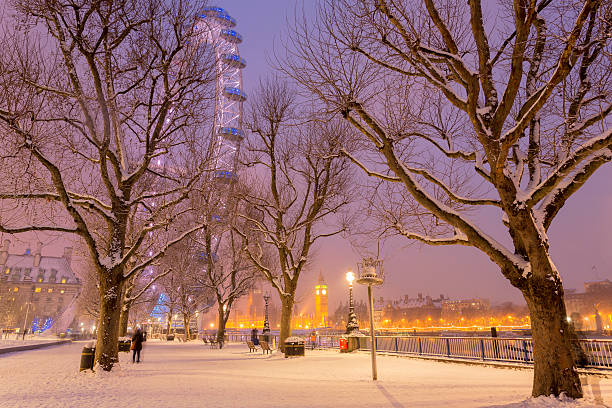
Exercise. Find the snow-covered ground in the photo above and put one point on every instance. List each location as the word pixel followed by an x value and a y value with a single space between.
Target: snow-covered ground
pixel 193 375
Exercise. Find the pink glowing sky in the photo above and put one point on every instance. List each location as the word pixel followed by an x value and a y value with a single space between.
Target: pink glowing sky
pixel 581 237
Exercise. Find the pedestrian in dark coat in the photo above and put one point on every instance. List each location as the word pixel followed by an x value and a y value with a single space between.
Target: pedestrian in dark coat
pixel 137 340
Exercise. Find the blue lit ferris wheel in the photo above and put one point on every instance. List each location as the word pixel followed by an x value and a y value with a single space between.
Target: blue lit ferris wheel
pixel 215 27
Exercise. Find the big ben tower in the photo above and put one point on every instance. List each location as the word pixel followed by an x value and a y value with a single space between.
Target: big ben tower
pixel 321 302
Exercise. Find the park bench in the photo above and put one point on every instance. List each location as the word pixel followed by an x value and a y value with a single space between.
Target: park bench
pixel 251 346
pixel 265 347
pixel 205 340
pixel 213 342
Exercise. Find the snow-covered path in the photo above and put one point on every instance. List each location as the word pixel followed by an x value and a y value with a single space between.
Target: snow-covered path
pixel 192 375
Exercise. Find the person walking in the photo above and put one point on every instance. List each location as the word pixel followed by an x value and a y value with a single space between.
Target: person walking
pixel 137 340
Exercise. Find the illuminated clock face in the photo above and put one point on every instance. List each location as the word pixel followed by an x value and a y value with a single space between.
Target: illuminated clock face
pixel 323 291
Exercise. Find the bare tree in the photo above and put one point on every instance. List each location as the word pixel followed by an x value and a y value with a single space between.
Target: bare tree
pixel 102 141
pixel 138 290
pixel 227 273
pixel 303 185
pixel 437 89
pixel 182 293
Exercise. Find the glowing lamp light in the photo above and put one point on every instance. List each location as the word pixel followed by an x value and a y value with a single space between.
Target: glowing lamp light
pixel 350 277
pixel 212 325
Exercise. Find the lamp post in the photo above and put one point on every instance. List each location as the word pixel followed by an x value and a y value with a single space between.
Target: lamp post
pixel 351 325
pixel 25 321
pixel 266 328
pixel 368 276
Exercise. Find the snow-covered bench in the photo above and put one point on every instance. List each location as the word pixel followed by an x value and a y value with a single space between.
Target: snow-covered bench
pixel 251 346
pixel 265 347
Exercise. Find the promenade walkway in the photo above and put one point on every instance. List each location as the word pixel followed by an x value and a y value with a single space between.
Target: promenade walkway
pixel 192 374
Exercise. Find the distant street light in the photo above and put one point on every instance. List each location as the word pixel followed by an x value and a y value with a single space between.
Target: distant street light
pixel 351 325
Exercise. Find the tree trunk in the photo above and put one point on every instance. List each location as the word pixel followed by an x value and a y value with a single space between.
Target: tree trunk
pixel 108 324
pixel 222 320
pixel 554 340
pixel 286 315
pixel 124 319
pixel 169 321
pixel 187 321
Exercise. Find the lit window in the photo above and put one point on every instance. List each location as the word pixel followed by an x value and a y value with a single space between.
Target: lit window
pixel 63 280
pixel 323 291
pixel 37 290
pixel 16 290
pixel 50 290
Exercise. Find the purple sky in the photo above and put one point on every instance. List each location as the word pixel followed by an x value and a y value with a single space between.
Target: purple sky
pixel 580 238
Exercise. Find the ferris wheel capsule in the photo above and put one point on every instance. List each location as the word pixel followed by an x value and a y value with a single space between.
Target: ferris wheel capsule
pixel 235 94
pixel 231 36
pixel 220 15
pixel 234 60
pixel 231 133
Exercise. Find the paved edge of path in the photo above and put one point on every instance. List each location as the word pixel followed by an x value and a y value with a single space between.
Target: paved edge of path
pixel 32 346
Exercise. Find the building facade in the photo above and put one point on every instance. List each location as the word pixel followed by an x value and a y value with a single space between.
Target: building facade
pixel 37 292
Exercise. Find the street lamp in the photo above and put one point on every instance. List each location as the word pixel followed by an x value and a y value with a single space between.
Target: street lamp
pixel 369 276
pixel 266 328
pixel 351 325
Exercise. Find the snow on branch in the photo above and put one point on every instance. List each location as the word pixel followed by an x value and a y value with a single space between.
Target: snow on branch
pixel 368 171
pixel 587 150
pixel 457 239
pixel 463 200
pixel 538 99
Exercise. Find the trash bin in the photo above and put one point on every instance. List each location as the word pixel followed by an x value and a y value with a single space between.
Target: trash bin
pixel 87 358
pixel 125 344
pixel 294 346
pixel 170 337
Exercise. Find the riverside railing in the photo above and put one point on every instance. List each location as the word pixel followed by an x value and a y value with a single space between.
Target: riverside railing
pixel 593 353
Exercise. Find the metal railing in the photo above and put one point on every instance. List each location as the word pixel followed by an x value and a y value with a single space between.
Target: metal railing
pixel 594 353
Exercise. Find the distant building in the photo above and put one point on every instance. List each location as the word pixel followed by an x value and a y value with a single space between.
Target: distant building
pixel 453 310
pixel 407 309
pixel 591 309
pixel 321 311
pixel 37 291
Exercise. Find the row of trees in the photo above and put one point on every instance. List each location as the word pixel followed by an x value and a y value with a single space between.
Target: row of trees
pixel 105 142
pixel 106 138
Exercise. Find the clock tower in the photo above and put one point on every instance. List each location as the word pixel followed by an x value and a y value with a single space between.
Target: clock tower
pixel 321 303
